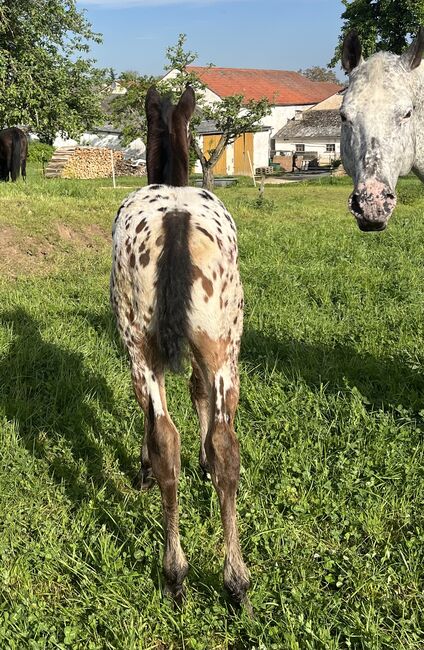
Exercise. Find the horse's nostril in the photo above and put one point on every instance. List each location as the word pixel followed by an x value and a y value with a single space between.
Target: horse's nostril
pixel 355 206
pixel 391 196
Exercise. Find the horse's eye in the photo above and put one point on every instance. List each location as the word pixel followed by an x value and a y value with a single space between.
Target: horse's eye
pixel 343 117
pixel 407 115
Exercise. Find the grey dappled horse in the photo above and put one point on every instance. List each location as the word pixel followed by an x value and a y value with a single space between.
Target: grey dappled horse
pixel 382 126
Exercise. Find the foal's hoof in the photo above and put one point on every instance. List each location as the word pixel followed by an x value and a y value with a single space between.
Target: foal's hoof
pixel 237 584
pixel 144 479
pixel 247 606
pixel 177 594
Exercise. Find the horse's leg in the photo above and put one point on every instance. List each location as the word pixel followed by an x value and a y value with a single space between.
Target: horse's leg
pixel 222 453
pixel 222 449
pixel 201 402
pixel 163 443
pixel 161 457
pixel 144 478
pixel 23 168
pixel 9 156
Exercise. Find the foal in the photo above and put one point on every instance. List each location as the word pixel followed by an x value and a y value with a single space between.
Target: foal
pixel 175 280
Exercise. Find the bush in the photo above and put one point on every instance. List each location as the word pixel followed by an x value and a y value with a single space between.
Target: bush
pixel 39 152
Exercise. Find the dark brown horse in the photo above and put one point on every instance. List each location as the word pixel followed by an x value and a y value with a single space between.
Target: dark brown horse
pixel 13 154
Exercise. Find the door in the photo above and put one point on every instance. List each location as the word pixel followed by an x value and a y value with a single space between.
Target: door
pixel 243 149
pixel 210 142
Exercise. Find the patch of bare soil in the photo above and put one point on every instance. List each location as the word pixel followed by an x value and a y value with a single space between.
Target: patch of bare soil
pixel 23 254
pixel 86 236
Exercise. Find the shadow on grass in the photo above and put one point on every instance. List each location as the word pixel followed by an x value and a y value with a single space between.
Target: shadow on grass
pixel 53 399
pixel 381 382
pixel 56 403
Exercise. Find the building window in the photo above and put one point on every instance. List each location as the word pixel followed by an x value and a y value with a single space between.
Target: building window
pixel 300 147
pixel 330 148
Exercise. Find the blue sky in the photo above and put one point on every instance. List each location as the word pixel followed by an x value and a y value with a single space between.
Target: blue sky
pixel 275 34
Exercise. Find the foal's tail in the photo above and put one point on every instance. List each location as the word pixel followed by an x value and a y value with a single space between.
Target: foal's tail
pixel 173 289
pixel 16 155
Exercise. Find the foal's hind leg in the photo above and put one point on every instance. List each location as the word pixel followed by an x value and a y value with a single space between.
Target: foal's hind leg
pixel 161 460
pixel 222 450
pixel 144 478
pixel 163 444
pixel 200 396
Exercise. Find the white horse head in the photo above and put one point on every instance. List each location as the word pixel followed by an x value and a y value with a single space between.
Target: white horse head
pixel 382 122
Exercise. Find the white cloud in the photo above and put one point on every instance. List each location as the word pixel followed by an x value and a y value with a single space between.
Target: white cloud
pixel 148 3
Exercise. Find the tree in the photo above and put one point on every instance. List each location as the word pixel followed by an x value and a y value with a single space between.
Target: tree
pixel 381 24
pixel 316 73
pixel 46 80
pixel 233 116
pixel 127 110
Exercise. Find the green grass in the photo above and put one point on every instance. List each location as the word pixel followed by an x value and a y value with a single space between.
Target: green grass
pixel 330 422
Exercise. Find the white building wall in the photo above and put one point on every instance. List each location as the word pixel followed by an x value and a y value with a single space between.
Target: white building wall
pixel 230 159
pixel 135 149
pixel 311 144
pixel 280 115
pixel 261 149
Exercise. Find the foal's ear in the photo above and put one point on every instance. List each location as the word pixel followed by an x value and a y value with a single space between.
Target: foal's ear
pixel 412 57
pixel 153 105
pixel 187 103
pixel 351 52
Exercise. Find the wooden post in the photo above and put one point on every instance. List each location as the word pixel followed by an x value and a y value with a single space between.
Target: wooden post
pixel 113 169
pixel 252 170
pixel 262 188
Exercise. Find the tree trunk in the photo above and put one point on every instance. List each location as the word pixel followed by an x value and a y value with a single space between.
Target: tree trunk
pixel 207 177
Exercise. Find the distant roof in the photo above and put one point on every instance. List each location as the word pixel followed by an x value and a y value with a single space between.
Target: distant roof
pixel 280 87
pixel 313 124
pixel 332 102
pixel 208 127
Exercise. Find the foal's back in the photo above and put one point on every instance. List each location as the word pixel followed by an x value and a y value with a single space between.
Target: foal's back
pixel 141 228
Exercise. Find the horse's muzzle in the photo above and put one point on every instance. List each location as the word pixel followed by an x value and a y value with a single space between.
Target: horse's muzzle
pixel 372 205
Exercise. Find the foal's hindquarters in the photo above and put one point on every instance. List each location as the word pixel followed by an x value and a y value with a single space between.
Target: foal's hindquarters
pixel 174 280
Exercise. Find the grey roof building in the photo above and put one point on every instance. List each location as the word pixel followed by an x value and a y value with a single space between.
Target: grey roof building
pixel 319 125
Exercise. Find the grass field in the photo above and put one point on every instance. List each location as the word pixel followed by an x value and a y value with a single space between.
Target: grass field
pixel 330 422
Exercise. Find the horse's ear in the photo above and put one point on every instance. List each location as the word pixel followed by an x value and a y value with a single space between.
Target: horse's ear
pixel 412 57
pixel 154 156
pixel 351 52
pixel 153 106
pixel 187 103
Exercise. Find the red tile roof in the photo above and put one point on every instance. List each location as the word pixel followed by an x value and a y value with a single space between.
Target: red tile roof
pixel 280 87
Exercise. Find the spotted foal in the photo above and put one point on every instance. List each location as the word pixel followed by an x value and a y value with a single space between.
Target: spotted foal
pixel 175 280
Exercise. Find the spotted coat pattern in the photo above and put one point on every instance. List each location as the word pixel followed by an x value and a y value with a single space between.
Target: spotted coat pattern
pixel 217 295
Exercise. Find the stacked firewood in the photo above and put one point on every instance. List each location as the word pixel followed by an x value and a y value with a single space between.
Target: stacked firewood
pixel 125 168
pixel 94 162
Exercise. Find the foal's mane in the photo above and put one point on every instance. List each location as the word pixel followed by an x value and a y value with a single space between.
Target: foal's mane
pixel 167 149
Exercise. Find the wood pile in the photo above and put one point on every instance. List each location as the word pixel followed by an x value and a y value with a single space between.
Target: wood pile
pixel 90 162
pixel 58 161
